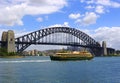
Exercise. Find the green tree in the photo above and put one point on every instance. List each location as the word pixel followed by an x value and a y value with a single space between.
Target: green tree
pixel 3 52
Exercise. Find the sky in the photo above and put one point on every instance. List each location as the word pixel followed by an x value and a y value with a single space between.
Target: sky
pixel 98 18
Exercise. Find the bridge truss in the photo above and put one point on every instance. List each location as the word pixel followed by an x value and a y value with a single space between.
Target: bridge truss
pixel 56 36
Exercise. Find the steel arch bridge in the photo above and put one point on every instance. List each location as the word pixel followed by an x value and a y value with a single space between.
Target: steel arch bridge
pixel 48 36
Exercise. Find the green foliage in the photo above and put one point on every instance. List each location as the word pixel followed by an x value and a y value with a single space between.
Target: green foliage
pixel 12 54
pixel 118 52
pixel 40 54
pixel 3 52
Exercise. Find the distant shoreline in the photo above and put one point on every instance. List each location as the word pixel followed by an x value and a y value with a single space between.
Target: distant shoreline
pixel 14 56
pixel 116 55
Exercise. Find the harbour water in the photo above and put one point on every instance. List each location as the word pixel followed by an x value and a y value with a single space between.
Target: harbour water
pixel 42 70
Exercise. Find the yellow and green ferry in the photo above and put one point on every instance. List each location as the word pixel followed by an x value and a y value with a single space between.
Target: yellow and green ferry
pixel 82 55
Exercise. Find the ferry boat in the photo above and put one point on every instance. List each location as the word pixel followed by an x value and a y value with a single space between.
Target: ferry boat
pixel 82 55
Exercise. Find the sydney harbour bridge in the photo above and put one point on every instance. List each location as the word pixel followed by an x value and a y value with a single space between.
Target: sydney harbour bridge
pixel 65 36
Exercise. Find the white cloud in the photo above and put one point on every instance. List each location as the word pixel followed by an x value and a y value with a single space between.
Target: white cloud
pixel 111 3
pixel 65 24
pixel 108 3
pixel 103 2
pixel 90 2
pixel 110 35
pixel 89 7
pixel 101 6
pixel 39 19
pixel 99 9
pixel 74 16
pixel 13 11
pixel 89 18
pixel 86 19
pixel 115 5
pixel 10 16
pixel 95 8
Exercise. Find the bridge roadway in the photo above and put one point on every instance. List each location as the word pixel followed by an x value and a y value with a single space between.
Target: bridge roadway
pixel 48 43
pixel 63 44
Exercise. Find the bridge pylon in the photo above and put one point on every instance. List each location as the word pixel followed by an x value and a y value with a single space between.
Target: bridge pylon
pixel 104 48
pixel 9 39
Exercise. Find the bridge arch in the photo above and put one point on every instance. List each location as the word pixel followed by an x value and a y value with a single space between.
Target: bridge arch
pixel 26 40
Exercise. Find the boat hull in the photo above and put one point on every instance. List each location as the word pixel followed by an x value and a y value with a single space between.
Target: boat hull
pixel 62 58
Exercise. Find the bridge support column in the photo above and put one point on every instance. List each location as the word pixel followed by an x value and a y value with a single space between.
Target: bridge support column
pixel 4 38
pixel 104 48
pixel 8 37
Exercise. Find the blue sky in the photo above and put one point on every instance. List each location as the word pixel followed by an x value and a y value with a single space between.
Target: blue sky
pixel 98 18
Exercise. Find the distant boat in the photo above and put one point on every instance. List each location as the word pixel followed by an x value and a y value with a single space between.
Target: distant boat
pixel 82 55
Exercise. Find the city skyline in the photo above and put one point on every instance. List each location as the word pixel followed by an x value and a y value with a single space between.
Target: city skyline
pixel 97 18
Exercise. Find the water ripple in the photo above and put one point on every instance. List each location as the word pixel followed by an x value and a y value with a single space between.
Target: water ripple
pixel 25 61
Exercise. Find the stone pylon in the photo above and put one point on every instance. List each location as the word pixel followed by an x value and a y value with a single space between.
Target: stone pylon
pixel 104 48
pixel 9 38
pixel 10 41
pixel 4 38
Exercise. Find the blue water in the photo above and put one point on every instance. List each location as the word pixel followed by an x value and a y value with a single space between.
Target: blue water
pixel 43 70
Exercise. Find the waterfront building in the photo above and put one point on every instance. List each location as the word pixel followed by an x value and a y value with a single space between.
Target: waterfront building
pixel 32 52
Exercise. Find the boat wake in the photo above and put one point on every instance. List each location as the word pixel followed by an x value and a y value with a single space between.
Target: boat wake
pixel 25 61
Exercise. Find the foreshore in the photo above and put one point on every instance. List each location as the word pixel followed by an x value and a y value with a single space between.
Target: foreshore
pixel 114 55
pixel 15 56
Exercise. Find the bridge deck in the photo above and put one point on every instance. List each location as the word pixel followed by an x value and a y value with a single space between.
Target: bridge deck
pixel 63 44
